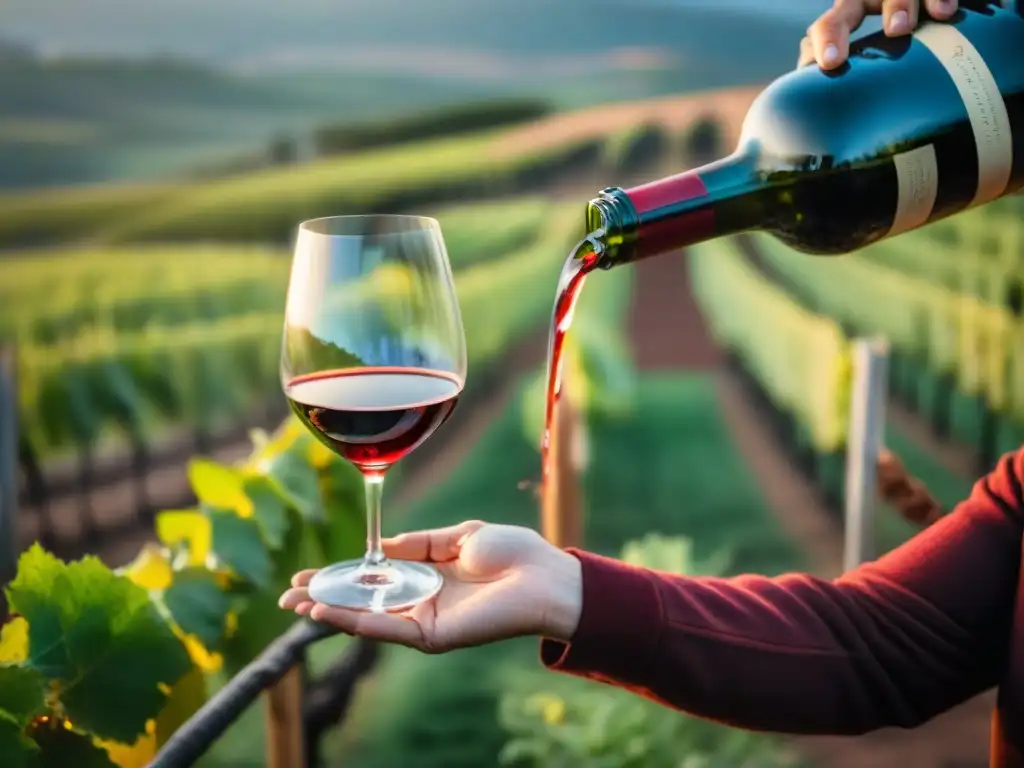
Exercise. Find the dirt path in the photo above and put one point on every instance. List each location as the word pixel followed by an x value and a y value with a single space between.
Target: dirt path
pixel 799 507
pixel 665 324
pixel 669 333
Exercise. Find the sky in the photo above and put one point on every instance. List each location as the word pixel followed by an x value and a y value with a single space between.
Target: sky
pixel 230 29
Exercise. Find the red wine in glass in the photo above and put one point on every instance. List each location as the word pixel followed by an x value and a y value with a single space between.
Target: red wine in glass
pixel 374 416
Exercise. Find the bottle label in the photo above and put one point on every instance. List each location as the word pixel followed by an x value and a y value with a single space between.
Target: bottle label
pixel 917 178
pixel 984 103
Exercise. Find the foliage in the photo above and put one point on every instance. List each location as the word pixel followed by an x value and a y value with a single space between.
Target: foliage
pixel 634 148
pixel 570 722
pixel 484 231
pixel 441 121
pixel 960 349
pixel 129 341
pixel 55 215
pixel 721 277
pixel 98 668
pixel 801 359
pixel 265 205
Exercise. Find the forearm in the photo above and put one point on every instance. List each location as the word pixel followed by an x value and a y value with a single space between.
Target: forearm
pixel 892 643
pixel 792 654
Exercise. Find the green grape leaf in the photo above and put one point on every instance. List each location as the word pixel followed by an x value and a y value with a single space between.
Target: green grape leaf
pixel 303 548
pixel 269 509
pixel 198 605
pixel 30 595
pixel 186 528
pixel 101 636
pixel 63 748
pixel 298 478
pixel 345 506
pixel 218 486
pixel 660 553
pixel 22 692
pixel 186 697
pixel 260 621
pixel 17 749
pixel 237 543
pixel 14 641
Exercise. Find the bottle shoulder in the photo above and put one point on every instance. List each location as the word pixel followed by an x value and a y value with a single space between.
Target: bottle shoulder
pixel 889 87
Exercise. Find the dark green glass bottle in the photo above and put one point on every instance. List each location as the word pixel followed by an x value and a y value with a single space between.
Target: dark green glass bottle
pixel 910 130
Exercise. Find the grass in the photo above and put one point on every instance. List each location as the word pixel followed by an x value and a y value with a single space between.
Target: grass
pixel 669 468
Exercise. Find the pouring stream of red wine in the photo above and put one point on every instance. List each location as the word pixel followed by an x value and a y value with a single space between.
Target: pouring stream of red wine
pixel 583 260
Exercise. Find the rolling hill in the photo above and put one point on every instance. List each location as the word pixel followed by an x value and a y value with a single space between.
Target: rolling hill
pixel 196 83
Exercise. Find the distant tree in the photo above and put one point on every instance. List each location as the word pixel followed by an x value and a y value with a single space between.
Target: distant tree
pixel 429 123
pixel 704 142
pixel 282 151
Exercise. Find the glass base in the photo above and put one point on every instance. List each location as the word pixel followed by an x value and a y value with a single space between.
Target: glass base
pixel 395 586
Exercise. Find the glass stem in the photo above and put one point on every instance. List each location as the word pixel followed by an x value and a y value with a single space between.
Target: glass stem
pixel 374 491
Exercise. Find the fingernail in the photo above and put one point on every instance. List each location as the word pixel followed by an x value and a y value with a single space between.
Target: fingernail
pixel 899 23
pixel 831 55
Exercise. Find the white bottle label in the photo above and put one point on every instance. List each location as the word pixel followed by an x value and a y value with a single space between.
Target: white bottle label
pixel 984 103
pixel 917 177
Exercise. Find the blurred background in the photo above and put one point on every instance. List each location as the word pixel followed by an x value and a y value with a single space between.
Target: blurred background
pixel 154 161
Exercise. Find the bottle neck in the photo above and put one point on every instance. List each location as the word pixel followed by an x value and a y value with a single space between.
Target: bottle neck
pixel 718 199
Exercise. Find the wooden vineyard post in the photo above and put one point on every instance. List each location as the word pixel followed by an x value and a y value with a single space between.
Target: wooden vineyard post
pixel 286 736
pixel 561 516
pixel 8 470
pixel 866 434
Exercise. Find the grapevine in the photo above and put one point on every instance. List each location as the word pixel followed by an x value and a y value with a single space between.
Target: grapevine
pixel 99 667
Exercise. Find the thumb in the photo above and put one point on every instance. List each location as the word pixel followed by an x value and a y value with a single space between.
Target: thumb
pixel 437 546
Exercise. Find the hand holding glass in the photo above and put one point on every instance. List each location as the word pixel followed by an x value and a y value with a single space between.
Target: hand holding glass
pixel 373 362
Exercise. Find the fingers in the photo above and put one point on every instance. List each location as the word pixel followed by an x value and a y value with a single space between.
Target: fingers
pixel 435 546
pixel 941 9
pixel 806 52
pixel 386 627
pixel 301 579
pixel 828 38
pixel 899 17
pixel 293 598
pixel 830 33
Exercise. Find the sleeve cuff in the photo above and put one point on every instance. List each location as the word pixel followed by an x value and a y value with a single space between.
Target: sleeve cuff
pixel 620 625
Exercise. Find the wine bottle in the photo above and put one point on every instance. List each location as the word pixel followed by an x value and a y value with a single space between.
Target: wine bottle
pixel 908 131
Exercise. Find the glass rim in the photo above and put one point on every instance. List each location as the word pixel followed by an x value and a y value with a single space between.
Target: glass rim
pixel 354 225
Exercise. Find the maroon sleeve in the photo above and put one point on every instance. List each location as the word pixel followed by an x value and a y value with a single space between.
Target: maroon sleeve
pixel 892 643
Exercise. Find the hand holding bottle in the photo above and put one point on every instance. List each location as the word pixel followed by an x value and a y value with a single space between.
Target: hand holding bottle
pixel 828 38
pixel 500 581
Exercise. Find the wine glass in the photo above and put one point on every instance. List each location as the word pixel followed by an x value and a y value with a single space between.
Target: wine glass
pixel 373 362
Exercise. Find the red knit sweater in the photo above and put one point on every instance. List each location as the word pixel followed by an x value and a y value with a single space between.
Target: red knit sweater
pixel 892 643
